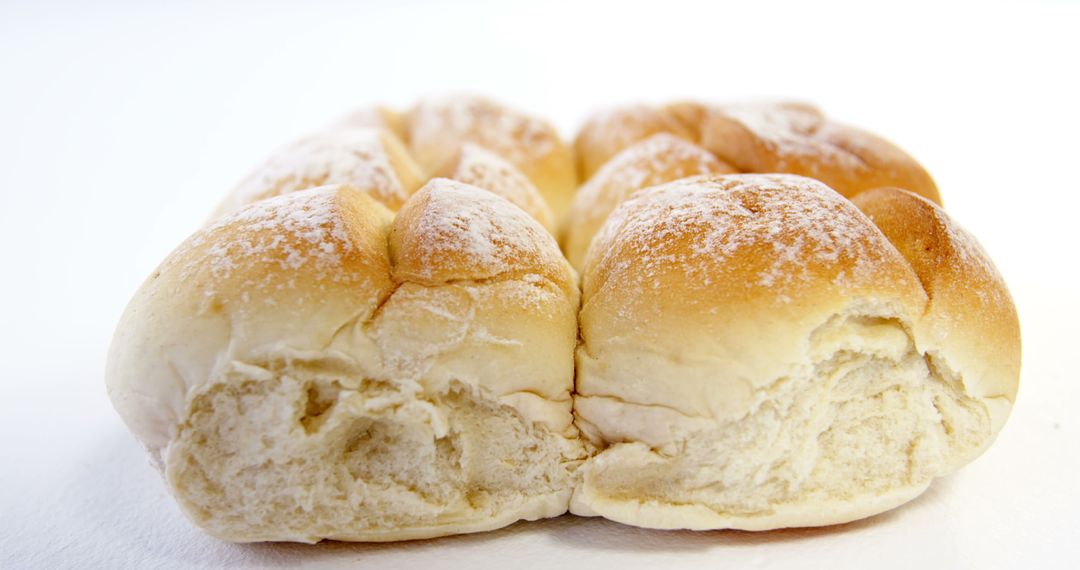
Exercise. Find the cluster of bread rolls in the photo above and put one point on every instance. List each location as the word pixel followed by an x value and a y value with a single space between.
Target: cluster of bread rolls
pixel 446 320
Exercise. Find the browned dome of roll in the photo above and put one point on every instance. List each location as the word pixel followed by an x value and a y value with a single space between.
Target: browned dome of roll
pixel 438 127
pixel 660 158
pixel 796 138
pixel 608 132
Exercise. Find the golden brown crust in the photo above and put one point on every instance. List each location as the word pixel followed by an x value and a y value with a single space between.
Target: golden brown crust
pixel 655 160
pixel 438 127
pixel 971 320
pixel 798 139
pixel 329 237
pixel 607 133
pixel 738 239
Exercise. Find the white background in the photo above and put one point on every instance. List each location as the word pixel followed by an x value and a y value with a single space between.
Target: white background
pixel 121 125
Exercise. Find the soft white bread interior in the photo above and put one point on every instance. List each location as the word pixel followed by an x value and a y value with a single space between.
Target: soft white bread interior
pixel 756 354
pixel 437 128
pixel 314 367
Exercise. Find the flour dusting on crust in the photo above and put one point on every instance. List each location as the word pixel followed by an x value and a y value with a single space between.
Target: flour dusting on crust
pixel 791 131
pixel 350 156
pixel 659 158
pixel 301 231
pixel 788 227
pixel 486 170
pixel 519 138
pixel 481 230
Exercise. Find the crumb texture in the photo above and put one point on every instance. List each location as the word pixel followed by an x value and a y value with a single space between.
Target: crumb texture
pixel 311 450
pixel 863 416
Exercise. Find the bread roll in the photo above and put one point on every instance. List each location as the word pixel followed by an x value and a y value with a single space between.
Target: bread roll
pixel 756 354
pixel 371 360
pixel 438 127
pixel 313 367
pixel 371 160
pixel 607 133
pixel 655 160
pixel 796 138
pixel 475 166
pixel 970 331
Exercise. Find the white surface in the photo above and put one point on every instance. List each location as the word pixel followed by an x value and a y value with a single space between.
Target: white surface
pixel 122 125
